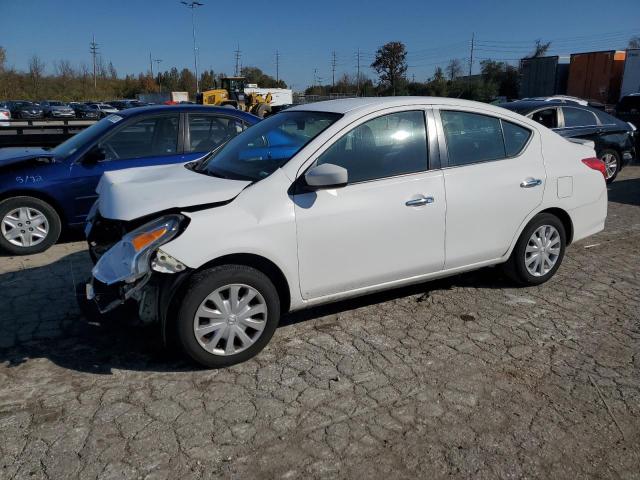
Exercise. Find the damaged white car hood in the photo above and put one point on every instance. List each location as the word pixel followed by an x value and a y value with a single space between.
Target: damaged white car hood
pixel 136 192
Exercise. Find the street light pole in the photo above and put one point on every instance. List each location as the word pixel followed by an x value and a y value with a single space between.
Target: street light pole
pixel 192 5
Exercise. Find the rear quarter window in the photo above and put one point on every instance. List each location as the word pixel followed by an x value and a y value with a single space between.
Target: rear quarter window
pixel 515 138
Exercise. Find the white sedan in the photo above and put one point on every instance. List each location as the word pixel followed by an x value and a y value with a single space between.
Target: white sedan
pixel 333 200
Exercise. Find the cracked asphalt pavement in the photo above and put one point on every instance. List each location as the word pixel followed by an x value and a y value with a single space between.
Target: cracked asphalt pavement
pixel 463 377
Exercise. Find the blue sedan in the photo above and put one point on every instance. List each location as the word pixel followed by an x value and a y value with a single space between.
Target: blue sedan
pixel 44 191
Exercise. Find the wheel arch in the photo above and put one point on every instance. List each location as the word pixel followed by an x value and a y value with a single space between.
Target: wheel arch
pixel 564 217
pixel 260 263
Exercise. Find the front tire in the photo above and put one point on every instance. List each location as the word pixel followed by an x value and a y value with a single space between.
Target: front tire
pixel 538 252
pixel 28 225
pixel 228 315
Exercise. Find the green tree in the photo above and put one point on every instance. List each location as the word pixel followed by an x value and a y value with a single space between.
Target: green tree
pixel 390 64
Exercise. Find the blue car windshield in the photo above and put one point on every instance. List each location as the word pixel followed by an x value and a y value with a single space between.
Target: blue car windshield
pixel 79 140
pixel 260 150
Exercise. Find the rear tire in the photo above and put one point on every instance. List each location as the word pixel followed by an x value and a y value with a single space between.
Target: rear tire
pixel 612 163
pixel 235 340
pixel 538 252
pixel 28 225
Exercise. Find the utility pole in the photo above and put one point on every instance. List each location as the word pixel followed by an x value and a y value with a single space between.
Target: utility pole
pixel 358 74
pixel 333 69
pixel 94 53
pixel 158 60
pixel 151 64
pixel 473 35
pixel 192 5
pixel 277 66
pixel 238 54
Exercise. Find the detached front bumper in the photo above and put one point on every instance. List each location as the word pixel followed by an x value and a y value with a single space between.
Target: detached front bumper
pixel 150 303
pixel 142 280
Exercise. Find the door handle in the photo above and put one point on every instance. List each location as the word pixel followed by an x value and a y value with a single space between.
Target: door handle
pixel 531 182
pixel 417 202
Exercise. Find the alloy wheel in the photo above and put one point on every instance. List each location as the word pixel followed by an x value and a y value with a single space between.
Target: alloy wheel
pixel 610 164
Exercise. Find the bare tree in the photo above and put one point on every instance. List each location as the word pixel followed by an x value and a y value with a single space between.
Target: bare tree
pixel 634 42
pixel 540 50
pixel 454 69
pixel 113 74
pixel 36 69
pixel 64 69
pixel 391 63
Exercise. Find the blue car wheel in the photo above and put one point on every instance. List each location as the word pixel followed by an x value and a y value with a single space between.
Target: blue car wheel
pixel 28 225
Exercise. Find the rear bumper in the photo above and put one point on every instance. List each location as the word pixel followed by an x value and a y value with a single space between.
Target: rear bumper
pixel 589 219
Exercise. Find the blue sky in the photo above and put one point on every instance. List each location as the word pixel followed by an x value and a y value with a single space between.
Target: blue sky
pixel 306 33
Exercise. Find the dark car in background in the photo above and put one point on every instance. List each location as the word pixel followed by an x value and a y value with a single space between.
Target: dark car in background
pixel 25 110
pixel 56 109
pixel 628 110
pixel 43 191
pixel 124 104
pixel 84 112
pixel 614 139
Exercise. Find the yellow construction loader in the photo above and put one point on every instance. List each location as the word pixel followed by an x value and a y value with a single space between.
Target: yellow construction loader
pixel 232 95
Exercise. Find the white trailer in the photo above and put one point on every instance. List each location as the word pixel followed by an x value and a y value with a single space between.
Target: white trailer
pixel 279 96
pixel 631 75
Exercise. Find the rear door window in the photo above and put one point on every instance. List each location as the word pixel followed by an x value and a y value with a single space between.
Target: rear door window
pixel 206 132
pixel 472 137
pixel 150 136
pixel 547 117
pixel 577 117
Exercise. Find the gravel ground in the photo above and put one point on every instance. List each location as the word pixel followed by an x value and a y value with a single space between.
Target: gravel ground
pixel 463 377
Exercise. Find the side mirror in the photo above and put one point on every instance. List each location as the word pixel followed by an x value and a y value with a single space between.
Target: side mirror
pixel 95 155
pixel 326 175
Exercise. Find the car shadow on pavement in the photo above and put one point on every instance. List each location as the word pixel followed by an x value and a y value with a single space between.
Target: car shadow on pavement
pixel 625 191
pixel 484 278
pixel 40 318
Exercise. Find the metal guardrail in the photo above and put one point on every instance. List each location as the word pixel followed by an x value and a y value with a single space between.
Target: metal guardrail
pixel 42 133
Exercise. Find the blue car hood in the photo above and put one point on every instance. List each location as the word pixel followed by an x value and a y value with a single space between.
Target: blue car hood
pixel 12 156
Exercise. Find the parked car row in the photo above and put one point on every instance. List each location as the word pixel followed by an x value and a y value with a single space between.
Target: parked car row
pixel 54 109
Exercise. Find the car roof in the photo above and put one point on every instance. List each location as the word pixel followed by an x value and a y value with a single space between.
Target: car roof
pixel 530 105
pixel 363 105
pixel 186 108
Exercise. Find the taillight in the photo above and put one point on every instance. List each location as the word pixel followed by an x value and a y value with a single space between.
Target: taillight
pixel 596 164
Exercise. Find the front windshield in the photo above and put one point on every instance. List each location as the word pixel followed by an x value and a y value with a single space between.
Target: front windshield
pixel 70 146
pixel 262 149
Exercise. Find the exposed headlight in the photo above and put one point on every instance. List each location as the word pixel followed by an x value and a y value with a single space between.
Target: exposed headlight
pixel 130 258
